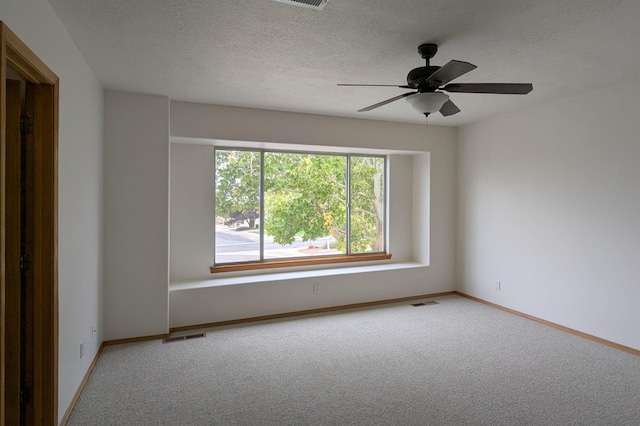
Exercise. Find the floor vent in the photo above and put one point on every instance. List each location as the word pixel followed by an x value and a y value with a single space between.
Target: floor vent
pixel 431 302
pixel 181 338
pixel 312 4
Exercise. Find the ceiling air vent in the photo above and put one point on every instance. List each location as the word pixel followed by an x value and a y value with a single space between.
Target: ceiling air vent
pixel 312 4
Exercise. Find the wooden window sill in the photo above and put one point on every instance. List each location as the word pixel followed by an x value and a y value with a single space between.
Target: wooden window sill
pixel 286 263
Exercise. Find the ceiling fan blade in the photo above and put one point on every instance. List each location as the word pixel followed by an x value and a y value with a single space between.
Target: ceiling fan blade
pixel 499 88
pixel 450 71
pixel 388 101
pixel 449 108
pixel 375 85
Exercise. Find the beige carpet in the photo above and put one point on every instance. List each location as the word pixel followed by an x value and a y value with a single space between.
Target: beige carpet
pixel 457 362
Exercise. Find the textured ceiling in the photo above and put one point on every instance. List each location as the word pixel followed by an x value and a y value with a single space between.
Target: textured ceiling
pixel 266 54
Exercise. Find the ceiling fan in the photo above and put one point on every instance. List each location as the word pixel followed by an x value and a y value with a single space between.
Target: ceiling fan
pixel 429 82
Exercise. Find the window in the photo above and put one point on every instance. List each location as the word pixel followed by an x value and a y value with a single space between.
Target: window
pixel 275 208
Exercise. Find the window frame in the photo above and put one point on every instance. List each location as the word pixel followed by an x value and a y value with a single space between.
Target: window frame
pixel 347 257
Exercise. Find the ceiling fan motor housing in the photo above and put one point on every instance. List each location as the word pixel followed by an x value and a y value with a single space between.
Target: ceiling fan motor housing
pixel 417 79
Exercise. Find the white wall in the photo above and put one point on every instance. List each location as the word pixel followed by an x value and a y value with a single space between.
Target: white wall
pixel 80 187
pixel 549 204
pixel 136 215
pixel 431 150
pixel 192 222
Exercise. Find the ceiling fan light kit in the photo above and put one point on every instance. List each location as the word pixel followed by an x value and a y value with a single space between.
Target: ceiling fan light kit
pixel 429 82
pixel 427 102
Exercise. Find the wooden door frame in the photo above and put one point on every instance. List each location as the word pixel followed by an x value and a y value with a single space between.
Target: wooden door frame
pixel 17 56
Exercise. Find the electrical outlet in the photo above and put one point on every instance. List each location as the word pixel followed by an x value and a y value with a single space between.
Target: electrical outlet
pixel 316 288
pixel 81 349
pixel 498 285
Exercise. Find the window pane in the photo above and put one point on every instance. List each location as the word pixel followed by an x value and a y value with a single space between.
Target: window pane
pixel 305 205
pixel 367 204
pixel 237 206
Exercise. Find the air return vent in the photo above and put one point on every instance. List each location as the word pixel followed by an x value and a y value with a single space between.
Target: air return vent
pixel 181 338
pixel 430 302
pixel 312 4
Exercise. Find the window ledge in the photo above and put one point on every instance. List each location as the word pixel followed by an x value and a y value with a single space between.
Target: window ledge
pixel 254 279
